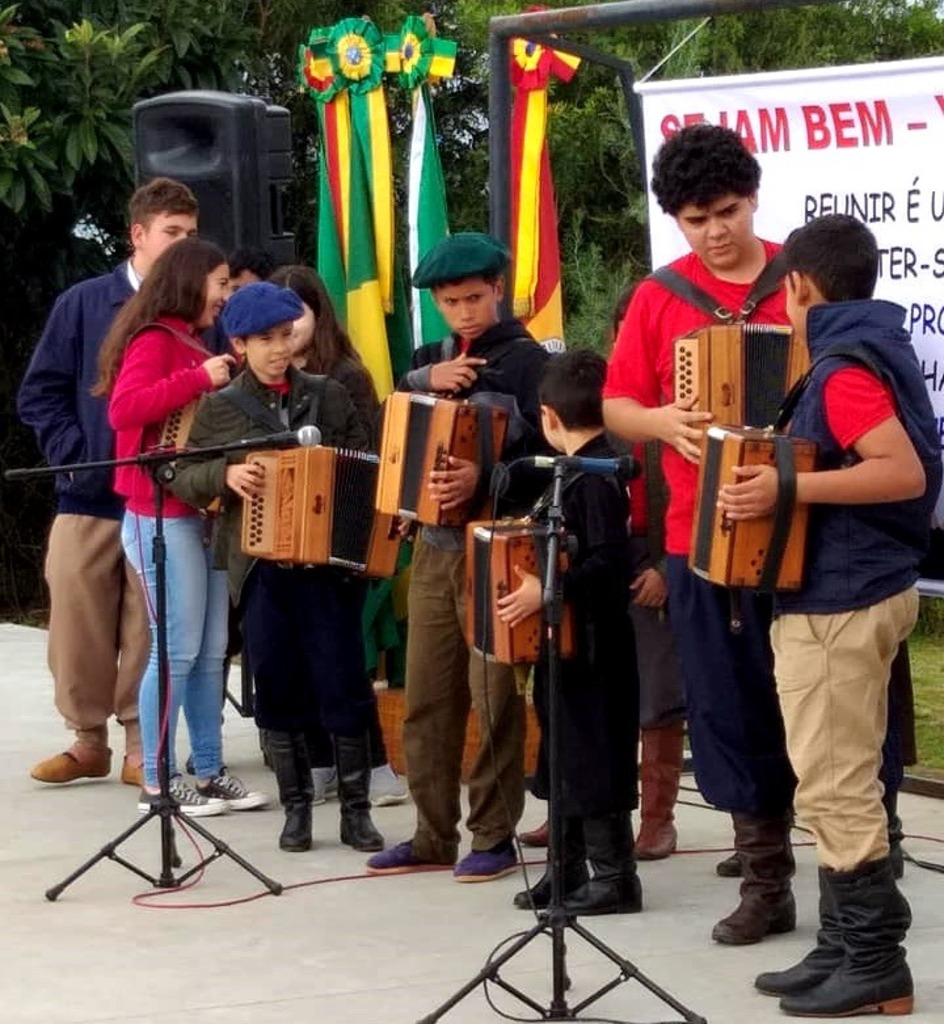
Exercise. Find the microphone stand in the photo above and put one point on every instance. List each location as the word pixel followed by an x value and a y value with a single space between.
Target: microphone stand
pixel 556 921
pixel 165 807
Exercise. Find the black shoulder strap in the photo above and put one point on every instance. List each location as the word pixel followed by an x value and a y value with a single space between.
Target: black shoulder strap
pixel 857 353
pixel 766 284
pixel 260 414
pixel 179 335
pixel 691 293
pixel 448 350
pixel 318 386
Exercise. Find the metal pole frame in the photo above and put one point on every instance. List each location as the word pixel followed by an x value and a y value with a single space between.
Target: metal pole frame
pixel 537 27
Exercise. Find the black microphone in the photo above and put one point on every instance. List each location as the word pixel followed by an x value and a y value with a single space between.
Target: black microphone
pixel 625 467
pixel 306 437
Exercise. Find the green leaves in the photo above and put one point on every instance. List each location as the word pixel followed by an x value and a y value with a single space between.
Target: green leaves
pixel 69 78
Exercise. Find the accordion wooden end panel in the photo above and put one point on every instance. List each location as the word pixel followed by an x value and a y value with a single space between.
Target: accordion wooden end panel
pixel 734 553
pixel 740 373
pixel 492 552
pixel 176 429
pixel 420 433
pixel 317 508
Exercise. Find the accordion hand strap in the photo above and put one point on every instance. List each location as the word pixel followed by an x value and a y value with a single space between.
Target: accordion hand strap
pixel 783 512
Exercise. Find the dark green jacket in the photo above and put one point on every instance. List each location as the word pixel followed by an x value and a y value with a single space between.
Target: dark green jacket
pixel 219 421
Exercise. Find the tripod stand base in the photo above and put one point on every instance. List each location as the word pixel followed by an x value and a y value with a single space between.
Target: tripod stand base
pixel 166 809
pixel 554 924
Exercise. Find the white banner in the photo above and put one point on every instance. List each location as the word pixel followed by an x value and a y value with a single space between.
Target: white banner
pixel 866 140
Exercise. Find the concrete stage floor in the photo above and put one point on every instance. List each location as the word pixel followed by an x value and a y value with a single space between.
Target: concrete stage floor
pixel 339 947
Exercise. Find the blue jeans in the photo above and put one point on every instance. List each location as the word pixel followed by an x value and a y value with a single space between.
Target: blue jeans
pixel 197 614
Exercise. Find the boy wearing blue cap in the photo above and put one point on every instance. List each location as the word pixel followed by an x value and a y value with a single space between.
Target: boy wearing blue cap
pixel 301 624
pixel 494 361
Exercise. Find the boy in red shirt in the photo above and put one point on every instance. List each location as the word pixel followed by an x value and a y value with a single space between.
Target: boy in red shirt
pixel 707 181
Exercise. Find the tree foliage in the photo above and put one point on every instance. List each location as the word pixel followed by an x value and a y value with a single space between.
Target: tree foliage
pixel 70 71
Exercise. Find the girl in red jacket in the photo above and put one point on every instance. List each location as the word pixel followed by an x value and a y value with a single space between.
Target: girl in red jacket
pixel 152 363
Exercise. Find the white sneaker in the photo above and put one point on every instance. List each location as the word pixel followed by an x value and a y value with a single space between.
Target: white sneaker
pixel 232 792
pixel 192 803
pixel 325 784
pixel 386 787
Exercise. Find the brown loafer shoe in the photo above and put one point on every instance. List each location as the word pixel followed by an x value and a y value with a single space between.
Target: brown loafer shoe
pixel 66 767
pixel 132 774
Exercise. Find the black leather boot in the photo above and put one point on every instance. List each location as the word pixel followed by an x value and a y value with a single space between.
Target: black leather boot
pixel 730 867
pixel 538 896
pixel 873 977
pixel 895 832
pixel 767 906
pixel 352 756
pixel 288 754
pixel 614 888
pixel 820 962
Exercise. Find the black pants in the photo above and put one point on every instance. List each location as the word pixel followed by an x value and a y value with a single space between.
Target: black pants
pixel 302 636
pixel 734 721
pixel 599 733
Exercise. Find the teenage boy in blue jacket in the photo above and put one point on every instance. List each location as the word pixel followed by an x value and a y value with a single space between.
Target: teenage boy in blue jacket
pixel 879 473
pixel 98 627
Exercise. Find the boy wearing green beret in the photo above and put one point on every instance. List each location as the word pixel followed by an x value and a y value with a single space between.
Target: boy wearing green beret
pixel 493 361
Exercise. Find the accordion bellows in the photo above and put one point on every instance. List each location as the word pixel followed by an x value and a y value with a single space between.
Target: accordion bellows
pixel 317 508
pixel 741 373
pixel 492 552
pixel 420 432
pixel 734 553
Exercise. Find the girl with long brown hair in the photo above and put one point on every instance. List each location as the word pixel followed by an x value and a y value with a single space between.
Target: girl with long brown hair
pixel 321 345
pixel 152 363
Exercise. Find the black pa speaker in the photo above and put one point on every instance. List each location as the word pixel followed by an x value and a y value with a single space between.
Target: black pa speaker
pixel 233 151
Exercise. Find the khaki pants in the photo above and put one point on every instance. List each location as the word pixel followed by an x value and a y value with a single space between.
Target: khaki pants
pixel 832 680
pixel 442 679
pixel 98 629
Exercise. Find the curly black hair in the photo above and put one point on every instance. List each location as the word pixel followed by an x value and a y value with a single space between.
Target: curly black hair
pixel 702 163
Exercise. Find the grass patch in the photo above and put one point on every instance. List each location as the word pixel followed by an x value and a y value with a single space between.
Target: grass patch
pixel 926 647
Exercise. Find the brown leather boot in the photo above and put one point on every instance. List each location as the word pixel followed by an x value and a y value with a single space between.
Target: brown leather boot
pixel 539 837
pixel 767 906
pixel 659 773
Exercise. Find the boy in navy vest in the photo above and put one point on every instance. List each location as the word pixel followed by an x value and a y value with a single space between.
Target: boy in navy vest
pixel 867 410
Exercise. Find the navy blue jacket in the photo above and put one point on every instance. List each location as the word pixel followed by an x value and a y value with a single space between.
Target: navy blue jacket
pixel 858 555
pixel 55 400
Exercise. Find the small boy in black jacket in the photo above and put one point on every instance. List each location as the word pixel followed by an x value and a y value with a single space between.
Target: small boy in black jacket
pixel 599 691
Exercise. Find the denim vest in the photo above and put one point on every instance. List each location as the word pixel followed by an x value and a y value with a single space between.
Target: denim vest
pixel 858 555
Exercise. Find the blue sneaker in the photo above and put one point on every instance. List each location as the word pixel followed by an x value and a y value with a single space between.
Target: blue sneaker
pixel 400 860
pixel 487 865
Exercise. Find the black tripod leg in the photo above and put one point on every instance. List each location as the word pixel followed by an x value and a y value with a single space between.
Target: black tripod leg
pixel 628 972
pixel 220 849
pixel 490 973
pixel 109 851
